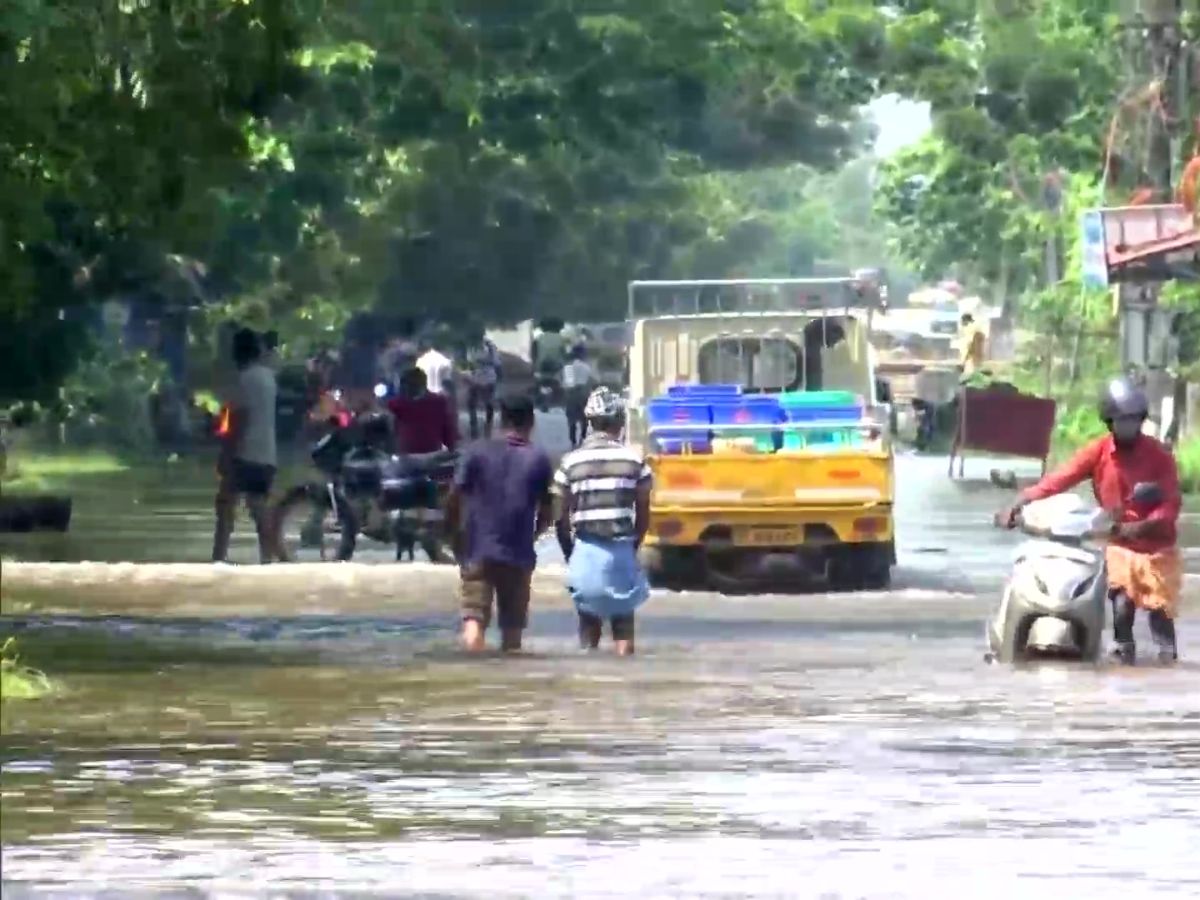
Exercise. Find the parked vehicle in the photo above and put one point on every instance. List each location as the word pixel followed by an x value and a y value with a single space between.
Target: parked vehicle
pixel 366 490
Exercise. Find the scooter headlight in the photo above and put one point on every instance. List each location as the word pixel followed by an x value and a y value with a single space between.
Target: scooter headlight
pixel 381 391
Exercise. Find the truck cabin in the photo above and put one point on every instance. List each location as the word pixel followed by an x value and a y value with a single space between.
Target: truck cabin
pixel 764 355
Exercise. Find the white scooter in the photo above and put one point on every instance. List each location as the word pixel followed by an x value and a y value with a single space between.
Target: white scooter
pixel 1055 600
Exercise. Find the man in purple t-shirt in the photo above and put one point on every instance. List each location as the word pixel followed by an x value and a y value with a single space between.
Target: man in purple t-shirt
pixel 502 490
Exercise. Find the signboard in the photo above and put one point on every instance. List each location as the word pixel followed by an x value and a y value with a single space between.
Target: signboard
pixel 1094 261
pixel 1114 236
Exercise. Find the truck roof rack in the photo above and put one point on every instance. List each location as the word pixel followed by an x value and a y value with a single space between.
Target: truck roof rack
pixel 655 299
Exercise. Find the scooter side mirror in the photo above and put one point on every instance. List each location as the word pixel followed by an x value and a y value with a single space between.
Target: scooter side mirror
pixel 1148 493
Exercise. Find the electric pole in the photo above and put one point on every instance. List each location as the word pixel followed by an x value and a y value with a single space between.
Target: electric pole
pixel 1156 53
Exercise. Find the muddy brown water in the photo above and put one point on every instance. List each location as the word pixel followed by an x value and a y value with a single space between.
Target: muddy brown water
pixel 317 733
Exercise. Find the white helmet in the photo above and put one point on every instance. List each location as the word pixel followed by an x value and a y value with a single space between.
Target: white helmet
pixel 603 404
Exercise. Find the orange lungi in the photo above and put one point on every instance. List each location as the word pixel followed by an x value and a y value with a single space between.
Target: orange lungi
pixel 1151 580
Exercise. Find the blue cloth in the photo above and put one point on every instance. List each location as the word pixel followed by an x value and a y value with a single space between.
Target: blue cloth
pixel 605 578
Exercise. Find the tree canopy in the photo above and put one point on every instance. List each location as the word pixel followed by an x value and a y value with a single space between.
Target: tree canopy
pixel 296 160
pixel 454 157
pixel 1022 94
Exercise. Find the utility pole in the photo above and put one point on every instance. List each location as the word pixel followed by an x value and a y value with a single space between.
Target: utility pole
pixel 1156 52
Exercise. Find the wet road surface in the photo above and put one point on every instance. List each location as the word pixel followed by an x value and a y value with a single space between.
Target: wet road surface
pixel 320 735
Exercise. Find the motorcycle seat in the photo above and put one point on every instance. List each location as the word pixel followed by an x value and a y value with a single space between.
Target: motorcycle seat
pixel 439 462
pixel 413 492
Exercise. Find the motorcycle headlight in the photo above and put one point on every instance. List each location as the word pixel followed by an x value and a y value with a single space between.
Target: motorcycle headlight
pixel 381 391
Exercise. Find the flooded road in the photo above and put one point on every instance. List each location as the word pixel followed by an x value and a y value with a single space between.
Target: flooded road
pixel 320 735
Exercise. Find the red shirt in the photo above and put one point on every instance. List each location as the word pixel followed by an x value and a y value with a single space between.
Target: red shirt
pixel 424 424
pixel 1114 473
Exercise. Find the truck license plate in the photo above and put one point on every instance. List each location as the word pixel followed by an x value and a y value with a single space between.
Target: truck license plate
pixel 772 537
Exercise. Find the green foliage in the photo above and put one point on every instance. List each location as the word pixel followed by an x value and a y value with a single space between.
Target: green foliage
pixel 441 157
pixel 1021 96
pixel 1187 457
pixel 121 124
pixel 17 681
pixel 107 399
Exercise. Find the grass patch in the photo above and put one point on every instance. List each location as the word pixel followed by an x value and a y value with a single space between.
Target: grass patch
pixel 1187 455
pixel 47 473
pixel 17 681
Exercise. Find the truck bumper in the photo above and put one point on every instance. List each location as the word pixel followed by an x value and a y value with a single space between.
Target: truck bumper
pixel 770 527
pixel 852 547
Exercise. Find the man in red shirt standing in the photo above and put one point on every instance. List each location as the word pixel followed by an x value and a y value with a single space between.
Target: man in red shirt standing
pixel 425 422
pixel 1144 566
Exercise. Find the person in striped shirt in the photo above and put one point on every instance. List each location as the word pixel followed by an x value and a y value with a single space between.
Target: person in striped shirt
pixel 603 494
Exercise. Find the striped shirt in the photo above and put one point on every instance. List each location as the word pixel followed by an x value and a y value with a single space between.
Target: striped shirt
pixel 600 481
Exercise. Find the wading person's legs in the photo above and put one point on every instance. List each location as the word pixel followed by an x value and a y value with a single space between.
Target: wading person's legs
pixel 260 514
pixel 1124 611
pixel 1150 581
pixel 512 604
pixel 254 482
pixel 225 511
pixel 476 594
pixel 590 629
pixel 622 634
pixel 1162 629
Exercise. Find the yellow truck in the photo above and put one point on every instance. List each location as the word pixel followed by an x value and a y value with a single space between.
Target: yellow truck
pixel 757 406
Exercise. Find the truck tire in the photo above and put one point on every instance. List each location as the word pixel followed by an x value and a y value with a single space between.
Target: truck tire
pixel 864 567
pixel 672 568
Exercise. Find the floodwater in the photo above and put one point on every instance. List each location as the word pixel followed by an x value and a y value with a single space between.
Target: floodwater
pixel 314 732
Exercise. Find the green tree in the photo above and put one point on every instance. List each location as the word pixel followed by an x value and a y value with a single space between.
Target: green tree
pixel 122 121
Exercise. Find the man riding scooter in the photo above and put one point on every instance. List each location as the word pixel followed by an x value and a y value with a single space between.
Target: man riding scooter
pixel 1143 562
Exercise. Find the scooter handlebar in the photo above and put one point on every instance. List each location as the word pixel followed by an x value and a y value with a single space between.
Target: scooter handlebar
pixel 1020 524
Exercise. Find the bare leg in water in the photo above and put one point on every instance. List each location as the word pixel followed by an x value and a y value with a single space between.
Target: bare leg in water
pixel 260 513
pixel 225 509
pixel 591 628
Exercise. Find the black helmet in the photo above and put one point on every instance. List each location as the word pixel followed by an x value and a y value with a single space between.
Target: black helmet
pixel 1121 397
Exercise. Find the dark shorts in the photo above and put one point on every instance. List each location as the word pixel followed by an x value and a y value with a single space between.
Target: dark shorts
pixel 508 586
pixel 251 479
pixel 622 626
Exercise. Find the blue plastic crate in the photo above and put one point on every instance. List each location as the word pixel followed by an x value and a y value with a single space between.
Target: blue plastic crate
pixel 704 391
pixel 664 411
pixel 749 410
pixel 851 414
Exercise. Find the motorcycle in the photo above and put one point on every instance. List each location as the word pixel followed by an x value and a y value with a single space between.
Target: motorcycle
pixel 367 491
pixel 1053 606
